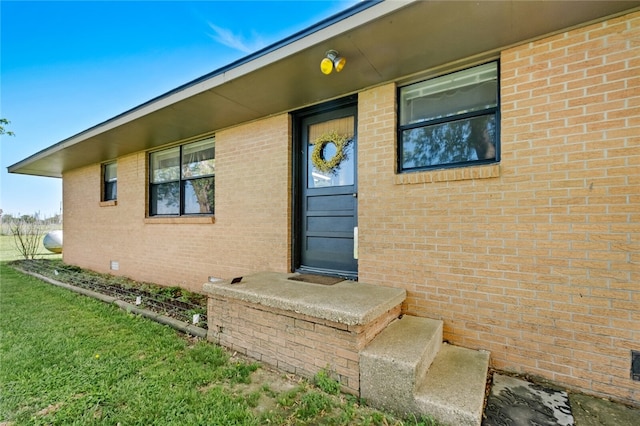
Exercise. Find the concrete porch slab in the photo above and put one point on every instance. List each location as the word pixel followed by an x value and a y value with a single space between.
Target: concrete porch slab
pixel 348 302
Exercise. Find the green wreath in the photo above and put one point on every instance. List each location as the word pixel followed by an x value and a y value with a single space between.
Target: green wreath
pixel 317 156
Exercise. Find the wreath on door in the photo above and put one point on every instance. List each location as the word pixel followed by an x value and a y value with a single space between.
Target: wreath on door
pixel 327 165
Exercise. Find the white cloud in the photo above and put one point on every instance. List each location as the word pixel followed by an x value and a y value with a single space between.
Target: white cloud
pixel 227 38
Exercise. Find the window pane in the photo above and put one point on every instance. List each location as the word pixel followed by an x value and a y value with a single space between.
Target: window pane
pixel 198 196
pixel 110 191
pixel 110 181
pixel 165 165
pixel 453 142
pixel 110 172
pixel 342 174
pixel 165 199
pixel 465 91
pixel 319 174
pixel 198 159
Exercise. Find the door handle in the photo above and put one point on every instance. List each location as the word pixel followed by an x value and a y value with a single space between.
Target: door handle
pixel 355 195
pixel 355 242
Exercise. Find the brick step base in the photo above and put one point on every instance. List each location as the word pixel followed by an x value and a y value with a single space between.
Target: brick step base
pixel 299 327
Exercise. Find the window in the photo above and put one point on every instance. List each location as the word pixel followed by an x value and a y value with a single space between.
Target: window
pixel 450 120
pixel 182 179
pixel 110 181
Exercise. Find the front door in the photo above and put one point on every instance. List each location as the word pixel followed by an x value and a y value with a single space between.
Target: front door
pixel 327 193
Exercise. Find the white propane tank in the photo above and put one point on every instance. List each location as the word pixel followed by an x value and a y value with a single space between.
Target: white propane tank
pixel 53 241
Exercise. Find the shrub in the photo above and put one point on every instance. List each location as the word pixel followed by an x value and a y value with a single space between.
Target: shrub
pixel 27 236
pixel 324 381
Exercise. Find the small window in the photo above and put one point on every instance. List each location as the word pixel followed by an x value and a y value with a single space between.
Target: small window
pixel 450 120
pixel 182 180
pixel 110 181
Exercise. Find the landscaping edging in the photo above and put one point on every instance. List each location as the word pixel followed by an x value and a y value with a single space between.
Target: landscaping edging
pixel 128 307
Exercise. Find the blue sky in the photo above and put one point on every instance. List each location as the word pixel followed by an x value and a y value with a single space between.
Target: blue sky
pixel 66 66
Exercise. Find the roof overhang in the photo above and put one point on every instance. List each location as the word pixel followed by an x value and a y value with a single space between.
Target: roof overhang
pixel 383 41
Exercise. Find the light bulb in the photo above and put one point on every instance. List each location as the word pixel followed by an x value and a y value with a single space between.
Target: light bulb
pixel 326 66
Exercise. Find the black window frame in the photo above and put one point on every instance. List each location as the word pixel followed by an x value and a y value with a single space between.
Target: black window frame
pixel 492 111
pixel 109 186
pixel 182 182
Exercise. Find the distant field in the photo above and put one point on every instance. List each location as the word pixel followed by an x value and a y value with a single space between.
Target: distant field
pixel 8 250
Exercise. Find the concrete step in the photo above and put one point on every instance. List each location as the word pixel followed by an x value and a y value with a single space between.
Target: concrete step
pixel 396 360
pixel 454 388
pixel 407 369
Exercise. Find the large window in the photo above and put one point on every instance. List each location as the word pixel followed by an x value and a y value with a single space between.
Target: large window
pixel 182 179
pixel 450 120
pixel 110 181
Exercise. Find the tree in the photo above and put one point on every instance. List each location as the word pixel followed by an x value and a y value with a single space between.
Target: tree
pixel 26 218
pixel 4 122
pixel 27 235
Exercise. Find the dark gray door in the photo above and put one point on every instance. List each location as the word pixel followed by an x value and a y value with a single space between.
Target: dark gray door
pixel 328 192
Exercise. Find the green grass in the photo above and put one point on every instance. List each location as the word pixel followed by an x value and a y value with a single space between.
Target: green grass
pixel 8 250
pixel 68 359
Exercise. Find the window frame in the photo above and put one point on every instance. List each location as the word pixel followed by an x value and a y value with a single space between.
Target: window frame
pixel 491 111
pixel 181 181
pixel 105 184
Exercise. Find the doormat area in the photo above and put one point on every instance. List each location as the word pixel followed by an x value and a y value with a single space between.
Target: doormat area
pixel 316 279
pixel 513 401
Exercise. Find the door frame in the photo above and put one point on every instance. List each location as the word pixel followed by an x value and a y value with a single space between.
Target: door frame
pixel 298 168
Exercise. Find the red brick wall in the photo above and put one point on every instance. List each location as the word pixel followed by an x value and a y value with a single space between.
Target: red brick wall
pixel 294 342
pixel 535 259
pixel 252 221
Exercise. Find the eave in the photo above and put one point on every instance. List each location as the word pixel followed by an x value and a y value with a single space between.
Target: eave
pixel 383 41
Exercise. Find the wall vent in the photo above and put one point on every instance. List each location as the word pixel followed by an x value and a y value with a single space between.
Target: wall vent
pixel 115 265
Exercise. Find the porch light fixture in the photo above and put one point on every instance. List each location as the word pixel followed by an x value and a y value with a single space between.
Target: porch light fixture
pixel 332 60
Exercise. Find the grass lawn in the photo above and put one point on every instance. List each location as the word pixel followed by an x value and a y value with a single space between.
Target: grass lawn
pixel 8 250
pixel 69 359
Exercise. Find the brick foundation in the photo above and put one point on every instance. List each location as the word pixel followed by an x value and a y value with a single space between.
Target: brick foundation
pixel 294 342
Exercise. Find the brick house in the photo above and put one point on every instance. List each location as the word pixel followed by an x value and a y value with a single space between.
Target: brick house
pixel 482 156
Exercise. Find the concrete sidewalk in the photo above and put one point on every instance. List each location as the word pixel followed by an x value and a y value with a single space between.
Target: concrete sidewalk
pixel 514 402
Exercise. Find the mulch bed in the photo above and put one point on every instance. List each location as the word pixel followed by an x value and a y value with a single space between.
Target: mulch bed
pixel 173 302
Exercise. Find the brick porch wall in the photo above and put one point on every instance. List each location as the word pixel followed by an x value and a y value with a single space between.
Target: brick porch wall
pixel 294 342
pixel 253 174
pixel 535 259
